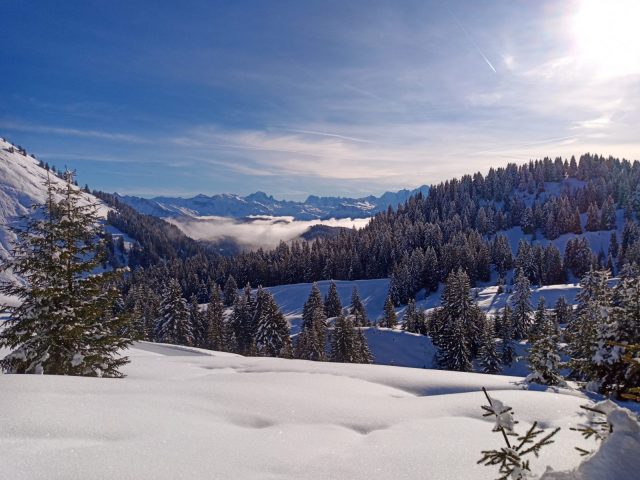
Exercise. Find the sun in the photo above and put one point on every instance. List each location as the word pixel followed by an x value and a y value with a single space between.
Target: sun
pixel 607 35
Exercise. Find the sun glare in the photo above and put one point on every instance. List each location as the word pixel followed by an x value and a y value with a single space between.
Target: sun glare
pixel 607 34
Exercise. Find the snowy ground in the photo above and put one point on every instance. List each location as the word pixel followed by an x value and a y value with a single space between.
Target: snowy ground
pixel 189 414
pixel 396 347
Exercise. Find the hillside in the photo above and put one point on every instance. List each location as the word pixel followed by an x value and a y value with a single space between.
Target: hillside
pixel 21 186
pixel 400 348
pixel 192 414
pixel 259 203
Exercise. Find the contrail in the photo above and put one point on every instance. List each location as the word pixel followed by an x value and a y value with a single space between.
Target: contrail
pixel 325 134
pixel 470 39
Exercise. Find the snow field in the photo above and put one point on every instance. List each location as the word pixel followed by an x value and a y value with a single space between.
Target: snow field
pixel 183 415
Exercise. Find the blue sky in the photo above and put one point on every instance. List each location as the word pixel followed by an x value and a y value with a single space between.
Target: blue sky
pixel 324 97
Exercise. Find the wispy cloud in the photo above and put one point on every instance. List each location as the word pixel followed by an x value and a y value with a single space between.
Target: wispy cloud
pixel 72 132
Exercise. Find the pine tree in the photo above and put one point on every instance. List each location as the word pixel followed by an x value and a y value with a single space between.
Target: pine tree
pixel 562 311
pixel 241 325
pixel 539 318
pixel 196 319
pixel 431 274
pixel 617 331
pixel 544 359
pixel 410 318
pixel 459 324
pixel 273 337
pixel 174 324
pixel 613 245
pixel 311 341
pixel 342 340
pixel 216 335
pixel 332 304
pixel 594 306
pixel 65 322
pixel 521 302
pixel 145 306
pixel 357 310
pixel 488 357
pixel 390 319
pixel 230 291
pixel 507 351
pixel 608 214
pixel 593 219
pixel 362 351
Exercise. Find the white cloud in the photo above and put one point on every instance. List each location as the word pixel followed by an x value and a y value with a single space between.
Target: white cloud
pixel 72 132
pixel 257 232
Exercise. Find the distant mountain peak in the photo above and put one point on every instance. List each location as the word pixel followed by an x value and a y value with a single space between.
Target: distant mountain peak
pixel 260 203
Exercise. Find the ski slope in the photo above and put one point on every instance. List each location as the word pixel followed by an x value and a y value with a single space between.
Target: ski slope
pixel 191 414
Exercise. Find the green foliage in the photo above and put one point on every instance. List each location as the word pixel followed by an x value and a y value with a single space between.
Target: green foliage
pixel 65 323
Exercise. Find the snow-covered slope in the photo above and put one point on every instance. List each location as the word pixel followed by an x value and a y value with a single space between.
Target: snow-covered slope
pixel 396 347
pixel 21 186
pixel 181 414
pixel 259 203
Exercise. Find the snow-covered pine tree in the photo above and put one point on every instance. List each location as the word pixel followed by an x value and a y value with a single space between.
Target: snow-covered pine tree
pixel 241 325
pixel 614 247
pixel 64 324
pixel 311 341
pixel 521 303
pixel 539 317
pixel 593 219
pixel 395 287
pixel 196 319
pixel 615 332
pixel 357 310
pixel 562 311
pixel 143 306
pixel 214 320
pixel 348 344
pixel 342 340
pixel 608 214
pixel 390 319
pixel 174 324
pixel 544 357
pixel 431 273
pixel 362 351
pixel 460 318
pixel 594 307
pixel 332 303
pixel 410 317
pixel 507 350
pixel 273 336
pixel 230 291
pixel 488 357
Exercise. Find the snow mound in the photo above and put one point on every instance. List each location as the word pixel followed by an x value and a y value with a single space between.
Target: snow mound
pixel 617 458
pixel 201 415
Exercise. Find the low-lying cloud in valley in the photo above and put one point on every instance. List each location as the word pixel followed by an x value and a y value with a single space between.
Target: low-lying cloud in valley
pixel 255 232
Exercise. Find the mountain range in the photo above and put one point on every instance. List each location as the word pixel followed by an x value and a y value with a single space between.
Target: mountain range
pixel 261 204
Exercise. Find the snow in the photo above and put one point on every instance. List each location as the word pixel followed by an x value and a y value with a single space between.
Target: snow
pixel 261 204
pixel 22 185
pixel 187 414
pixel 396 347
pixel 617 458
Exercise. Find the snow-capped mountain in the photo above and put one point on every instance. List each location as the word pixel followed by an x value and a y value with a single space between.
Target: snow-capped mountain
pixel 22 182
pixel 259 203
